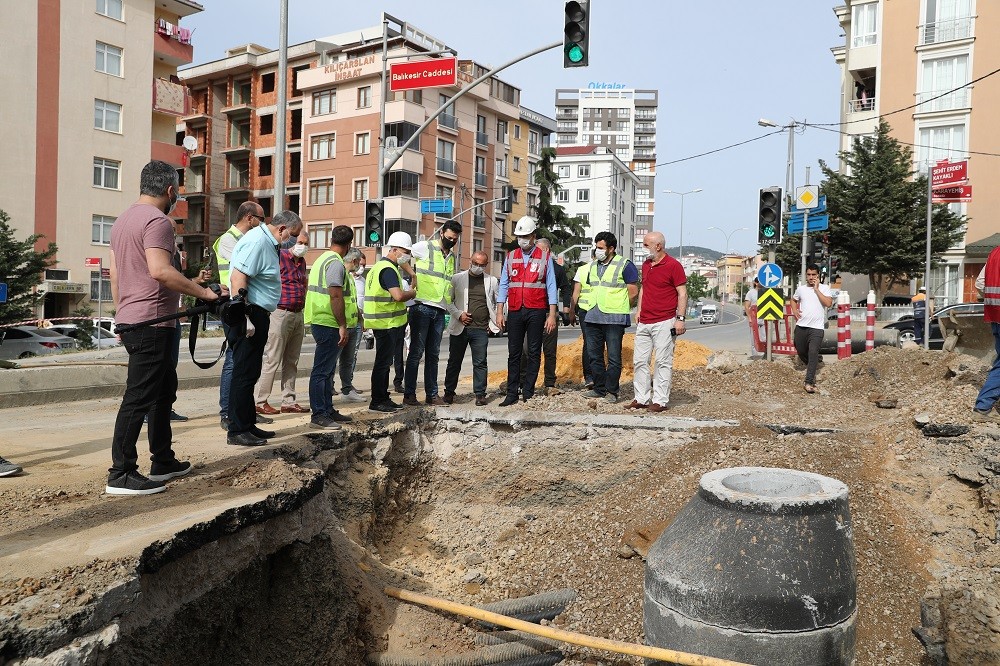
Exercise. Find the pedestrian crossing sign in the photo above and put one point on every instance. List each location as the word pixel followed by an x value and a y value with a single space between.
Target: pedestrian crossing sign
pixel 771 305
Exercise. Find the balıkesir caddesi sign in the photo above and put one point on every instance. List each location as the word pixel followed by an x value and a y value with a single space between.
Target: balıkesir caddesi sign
pixel 949 174
pixel 418 74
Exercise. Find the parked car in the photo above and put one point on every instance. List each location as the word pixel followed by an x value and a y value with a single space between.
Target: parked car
pixel 957 312
pixel 27 341
pixel 709 314
pixel 101 338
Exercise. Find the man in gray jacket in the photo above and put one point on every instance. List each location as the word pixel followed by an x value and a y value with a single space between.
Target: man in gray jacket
pixel 473 307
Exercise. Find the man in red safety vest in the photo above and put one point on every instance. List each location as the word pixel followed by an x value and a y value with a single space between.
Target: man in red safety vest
pixel 988 284
pixel 528 289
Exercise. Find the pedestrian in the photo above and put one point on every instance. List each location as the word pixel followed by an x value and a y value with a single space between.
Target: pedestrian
pixel 988 284
pixel 332 314
pixel 248 216
pixel 256 268
pixel 385 314
pixel 7 468
pixel 144 286
pixel 614 280
pixel 922 311
pixel 435 264
pixel 528 288
pixel 550 340
pixel 581 302
pixel 473 305
pixel 750 310
pixel 287 326
pixel 363 333
pixel 809 304
pixel 348 358
pixel 663 301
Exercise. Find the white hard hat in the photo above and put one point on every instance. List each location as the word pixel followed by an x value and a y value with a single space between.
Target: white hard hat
pixel 525 226
pixel 420 250
pixel 399 239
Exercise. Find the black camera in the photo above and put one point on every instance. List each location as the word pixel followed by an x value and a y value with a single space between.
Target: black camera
pixel 231 310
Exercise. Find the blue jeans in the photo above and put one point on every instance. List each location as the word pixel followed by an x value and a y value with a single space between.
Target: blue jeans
pixel 426 329
pixel 478 339
pixel 607 378
pixel 990 393
pixel 324 363
pixel 348 359
pixel 918 331
pixel 226 379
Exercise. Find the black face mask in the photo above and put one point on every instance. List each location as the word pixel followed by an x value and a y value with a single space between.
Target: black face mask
pixel 448 243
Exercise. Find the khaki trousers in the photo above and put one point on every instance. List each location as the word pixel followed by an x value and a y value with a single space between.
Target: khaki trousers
pixel 284 344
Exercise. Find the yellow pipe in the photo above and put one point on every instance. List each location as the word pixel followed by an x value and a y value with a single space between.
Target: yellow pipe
pixel 572 637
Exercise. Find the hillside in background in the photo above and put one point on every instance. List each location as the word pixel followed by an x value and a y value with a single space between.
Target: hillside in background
pixel 704 252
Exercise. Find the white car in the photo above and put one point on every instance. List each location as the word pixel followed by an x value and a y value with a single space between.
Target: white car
pixel 709 315
pixel 101 338
pixel 28 341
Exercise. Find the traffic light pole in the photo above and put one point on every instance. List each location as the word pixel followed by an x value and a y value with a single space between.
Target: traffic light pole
pixel 927 255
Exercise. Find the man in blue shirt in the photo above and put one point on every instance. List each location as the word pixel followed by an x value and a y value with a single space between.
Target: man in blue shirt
pixel 254 266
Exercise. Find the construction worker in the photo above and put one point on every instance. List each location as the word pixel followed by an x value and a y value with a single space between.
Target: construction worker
pixel 582 301
pixel 988 284
pixel 528 289
pixel 385 313
pixel 922 311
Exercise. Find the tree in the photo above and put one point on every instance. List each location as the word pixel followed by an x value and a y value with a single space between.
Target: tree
pixel 562 230
pixel 697 286
pixel 878 213
pixel 22 268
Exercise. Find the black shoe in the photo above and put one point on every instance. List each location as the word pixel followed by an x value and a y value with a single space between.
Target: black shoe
pixel 174 416
pixel 246 439
pixel 341 418
pixel 224 422
pixel 480 400
pixel 133 483
pixel 324 422
pixel 385 407
pixel 263 434
pixel 509 400
pixel 394 405
pixel 171 470
pixel 398 387
pixel 263 419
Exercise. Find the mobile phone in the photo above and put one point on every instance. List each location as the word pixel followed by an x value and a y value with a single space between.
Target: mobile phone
pixel 673 332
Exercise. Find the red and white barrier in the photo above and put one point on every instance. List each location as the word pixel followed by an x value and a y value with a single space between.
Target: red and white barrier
pixel 843 325
pixel 870 322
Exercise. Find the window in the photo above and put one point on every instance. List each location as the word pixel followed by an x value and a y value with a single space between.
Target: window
pixel 444 192
pixel 563 196
pixel 583 195
pixel 109 59
pixel 532 170
pixel 622 126
pixel 477 245
pixel 107 116
pixel 97 283
pixel 321 192
pixel 479 213
pixel 947 20
pixel 502 131
pixel 402 131
pixel 363 143
pixel 111 9
pixel 533 142
pixel 267 82
pixel 939 143
pixel 264 165
pixel 864 25
pixel 364 97
pixel 324 102
pixel 583 171
pixel 106 173
pixel 563 170
pixel 623 138
pixel 319 235
pixel 402 184
pixel 267 124
pixel 323 146
pixel 622 153
pixel 100 229
pixel 409 226
pixel 517 131
pixel 623 113
pixel 361 189
pixel 501 167
pixel 517 162
pixel 939 76
pixel 415 96
pixel 445 156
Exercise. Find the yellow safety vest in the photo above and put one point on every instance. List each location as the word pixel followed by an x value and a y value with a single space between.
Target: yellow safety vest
pixel 318 310
pixel 610 290
pixel 586 300
pixel 381 310
pixel 435 271
pixel 220 260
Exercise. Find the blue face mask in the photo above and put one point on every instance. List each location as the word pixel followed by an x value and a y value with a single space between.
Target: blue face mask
pixel 290 243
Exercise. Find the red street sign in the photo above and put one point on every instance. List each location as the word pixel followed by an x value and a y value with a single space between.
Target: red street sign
pixel 954 194
pixel 92 262
pixel 106 273
pixel 418 74
pixel 947 174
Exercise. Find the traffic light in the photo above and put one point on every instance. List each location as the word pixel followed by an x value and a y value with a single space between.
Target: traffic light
pixel 769 220
pixel 374 222
pixel 812 251
pixel 576 40
pixel 834 265
pixel 507 205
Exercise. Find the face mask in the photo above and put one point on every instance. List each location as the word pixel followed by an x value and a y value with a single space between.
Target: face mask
pixel 447 243
pixel 299 249
pixel 170 206
pixel 359 272
pixel 475 270
pixel 601 255
pixel 403 259
pixel 524 243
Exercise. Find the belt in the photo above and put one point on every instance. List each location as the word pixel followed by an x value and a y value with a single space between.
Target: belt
pixel 288 308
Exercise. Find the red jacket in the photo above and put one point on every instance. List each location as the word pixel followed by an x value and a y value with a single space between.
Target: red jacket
pixel 991 293
pixel 526 285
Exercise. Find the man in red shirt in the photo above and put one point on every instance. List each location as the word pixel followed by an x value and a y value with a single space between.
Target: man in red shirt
pixel 662 296
pixel 988 284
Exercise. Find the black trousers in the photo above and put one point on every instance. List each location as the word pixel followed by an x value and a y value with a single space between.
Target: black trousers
pixel 387 340
pixel 151 388
pixel 550 343
pixel 248 358
pixel 807 343
pixel 588 376
pixel 522 369
pixel 399 355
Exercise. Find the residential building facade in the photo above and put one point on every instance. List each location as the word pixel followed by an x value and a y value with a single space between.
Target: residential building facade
pixel 530 133
pixel 98 98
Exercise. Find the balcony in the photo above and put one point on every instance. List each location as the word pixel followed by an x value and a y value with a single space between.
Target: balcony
pixel 171 98
pixel 860 105
pixel 167 152
pixel 448 121
pixel 645 128
pixel 481 180
pixel 172 44
pixel 533 148
pixel 644 114
pixel 942 100
pixel 446 166
pixel 479 219
pixel 239 150
pixel 482 139
pixel 945 31
pixel 237 110
pixel 644 141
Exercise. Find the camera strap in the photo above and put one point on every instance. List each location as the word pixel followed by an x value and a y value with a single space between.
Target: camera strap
pixel 193 339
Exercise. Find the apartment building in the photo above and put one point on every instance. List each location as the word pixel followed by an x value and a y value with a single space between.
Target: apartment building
pixel 97 98
pixel 897 54
pixel 596 185
pixel 530 133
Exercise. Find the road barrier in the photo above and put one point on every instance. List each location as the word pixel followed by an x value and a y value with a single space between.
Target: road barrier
pixel 870 322
pixel 843 325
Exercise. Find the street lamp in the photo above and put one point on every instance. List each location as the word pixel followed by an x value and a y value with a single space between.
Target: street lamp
pixel 680 242
pixel 729 235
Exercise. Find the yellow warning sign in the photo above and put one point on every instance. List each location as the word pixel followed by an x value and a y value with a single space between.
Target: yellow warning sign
pixel 770 305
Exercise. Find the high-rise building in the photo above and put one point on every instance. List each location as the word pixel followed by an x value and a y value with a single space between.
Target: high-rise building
pixel 97 97
pixel 908 62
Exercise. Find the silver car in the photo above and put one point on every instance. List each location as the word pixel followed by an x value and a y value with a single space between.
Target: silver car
pixel 27 341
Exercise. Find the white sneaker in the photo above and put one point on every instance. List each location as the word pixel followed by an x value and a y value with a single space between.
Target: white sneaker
pixel 354 396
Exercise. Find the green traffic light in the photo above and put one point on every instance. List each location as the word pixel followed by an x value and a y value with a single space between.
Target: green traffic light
pixel 373 236
pixel 574 53
pixel 768 231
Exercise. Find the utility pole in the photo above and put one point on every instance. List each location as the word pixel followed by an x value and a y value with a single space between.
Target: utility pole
pixel 927 253
pixel 280 147
pixel 381 113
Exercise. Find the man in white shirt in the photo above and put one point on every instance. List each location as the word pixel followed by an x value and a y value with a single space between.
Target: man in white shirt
pixel 809 304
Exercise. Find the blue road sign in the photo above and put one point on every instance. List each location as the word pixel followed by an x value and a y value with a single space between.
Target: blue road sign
pixel 820 208
pixel 436 206
pixel 770 275
pixel 816 223
pixel 3 292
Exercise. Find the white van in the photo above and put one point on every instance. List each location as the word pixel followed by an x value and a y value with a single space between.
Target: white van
pixel 709 314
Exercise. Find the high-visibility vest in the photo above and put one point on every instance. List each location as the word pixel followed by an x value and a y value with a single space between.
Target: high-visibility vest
pixel 610 290
pixel 991 293
pixel 586 300
pixel 223 262
pixel 526 281
pixel 381 310
pixel 318 310
pixel 435 271
pixel 919 306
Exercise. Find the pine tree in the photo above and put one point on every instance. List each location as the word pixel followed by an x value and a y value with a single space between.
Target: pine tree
pixel 553 222
pixel 22 268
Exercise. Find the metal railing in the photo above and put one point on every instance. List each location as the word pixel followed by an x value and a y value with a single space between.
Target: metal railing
pixel 533 147
pixel 449 121
pixel 481 180
pixel 957 99
pixel 946 31
pixel 482 138
pixel 479 221
pixel 859 105
pixel 446 165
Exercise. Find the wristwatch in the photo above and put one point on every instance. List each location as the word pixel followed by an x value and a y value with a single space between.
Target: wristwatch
pixel 680 317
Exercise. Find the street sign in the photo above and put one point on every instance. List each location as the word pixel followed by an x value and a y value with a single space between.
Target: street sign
pixel 3 292
pixel 106 273
pixel 820 208
pixel 436 206
pixel 807 196
pixel 816 223
pixel 948 174
pixel 92 262
pixel 956 194
pixel 418 74
pixel 770 275
pixel 771 305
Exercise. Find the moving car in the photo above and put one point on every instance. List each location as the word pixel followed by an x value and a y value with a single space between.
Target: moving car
pixel 709 314
pixel 28 341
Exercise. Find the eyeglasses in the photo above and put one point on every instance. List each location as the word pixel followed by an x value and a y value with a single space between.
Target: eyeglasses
pixel 259 218
pixel 480 265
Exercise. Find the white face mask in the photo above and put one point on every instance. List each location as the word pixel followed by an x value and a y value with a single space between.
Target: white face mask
pixel 524 243
pixel 403 259
pixel 475 270
pixel 359 272
pixel 600 254
pixel 299 249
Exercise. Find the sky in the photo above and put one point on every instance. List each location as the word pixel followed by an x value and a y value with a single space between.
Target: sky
pixel 719 66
